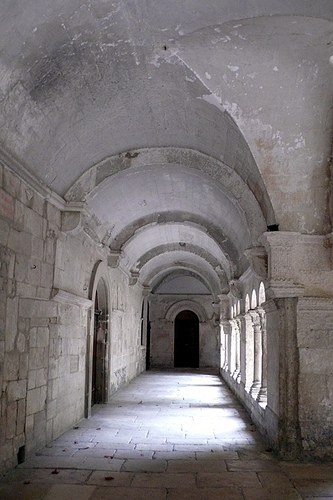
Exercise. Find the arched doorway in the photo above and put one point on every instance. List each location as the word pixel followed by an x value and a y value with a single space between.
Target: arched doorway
pixel 100 347
pixel 186 340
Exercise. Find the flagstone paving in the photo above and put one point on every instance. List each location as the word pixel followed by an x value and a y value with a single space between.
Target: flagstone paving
pixel 172 435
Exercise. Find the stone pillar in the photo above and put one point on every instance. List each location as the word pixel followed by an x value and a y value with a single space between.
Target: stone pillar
pixel 232 350
pixel 246 369
pixel 262 394
pixel 238 352
pixel 257 353
pixel 225 331
pixel 282 293
pixel 235 359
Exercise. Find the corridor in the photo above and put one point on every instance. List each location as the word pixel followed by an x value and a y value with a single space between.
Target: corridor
pixel 169 435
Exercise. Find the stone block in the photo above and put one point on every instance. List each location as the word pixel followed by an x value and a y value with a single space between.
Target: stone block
pixel 49 250
pixel 32 379
pixel 26 195
pixel 316 360
pixel 11 183
pixel 11 266
pixel 7 205
pixel 33 223
pixel 25 290
pixel 36 399
pixel 49 430
pixel 23 369
pixel 53 369
pixel 19 242
pixel 43 293
pixel 47 275
pixel 19 215
pixel 51 409
pixel 4 232
pixel 37 248
pixel 11 414
pixel 11 323
pixel 313 395
pixel 21 342
pixel 6 451
pixel 11 366
pixel 34 273
pixel 40 322
pixel 54 388
pixel 19 441
pixel 53 214
pixel 30 308
pixel 29 424
pixel 16 390
pixel 42 337
pixel 40 427
pixel 37 205
pixel 20 424
pixel 38 358
pixel 33 337
pixel 41 377
pixel 74 364
pixel 21 268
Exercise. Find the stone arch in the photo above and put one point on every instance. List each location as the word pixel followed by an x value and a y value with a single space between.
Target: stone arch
pixel 190 305
pixel 99 333
pixel 232 182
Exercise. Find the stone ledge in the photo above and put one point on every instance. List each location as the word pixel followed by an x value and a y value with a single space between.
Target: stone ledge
pixel 64 297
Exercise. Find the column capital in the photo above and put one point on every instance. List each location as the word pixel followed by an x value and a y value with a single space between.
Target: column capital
pixel 257 257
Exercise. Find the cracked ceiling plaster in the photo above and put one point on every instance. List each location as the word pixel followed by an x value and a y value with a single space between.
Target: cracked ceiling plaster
pixel 134 107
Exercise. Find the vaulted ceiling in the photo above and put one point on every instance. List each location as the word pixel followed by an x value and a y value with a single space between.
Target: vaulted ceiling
pixel 185 127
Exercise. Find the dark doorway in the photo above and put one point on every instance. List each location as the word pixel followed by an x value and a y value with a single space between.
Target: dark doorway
pixel 148 341
pixel 187 340
pixel 100 348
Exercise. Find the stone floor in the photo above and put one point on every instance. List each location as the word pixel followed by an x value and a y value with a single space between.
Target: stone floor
pixel 168 435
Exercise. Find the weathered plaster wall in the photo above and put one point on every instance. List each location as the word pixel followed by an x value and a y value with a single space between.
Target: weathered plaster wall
pixel 45 281
pixel 162 330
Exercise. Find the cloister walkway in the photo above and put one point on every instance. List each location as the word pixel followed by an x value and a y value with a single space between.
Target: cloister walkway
pixel 172 435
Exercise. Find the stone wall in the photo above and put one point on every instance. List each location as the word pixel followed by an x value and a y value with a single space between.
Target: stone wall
pixel 45 320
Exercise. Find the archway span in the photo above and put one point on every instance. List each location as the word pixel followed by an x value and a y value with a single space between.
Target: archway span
pixel 133 232
pixel 158 267
pixel 234 182
pixel 152 240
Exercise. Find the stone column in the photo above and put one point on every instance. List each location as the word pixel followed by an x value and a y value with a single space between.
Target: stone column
pixel 246 377
pixel 225 331
pixel 262 394
pixel 283 291
pixel 238 353
pixel 257 353
pixel 235 366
